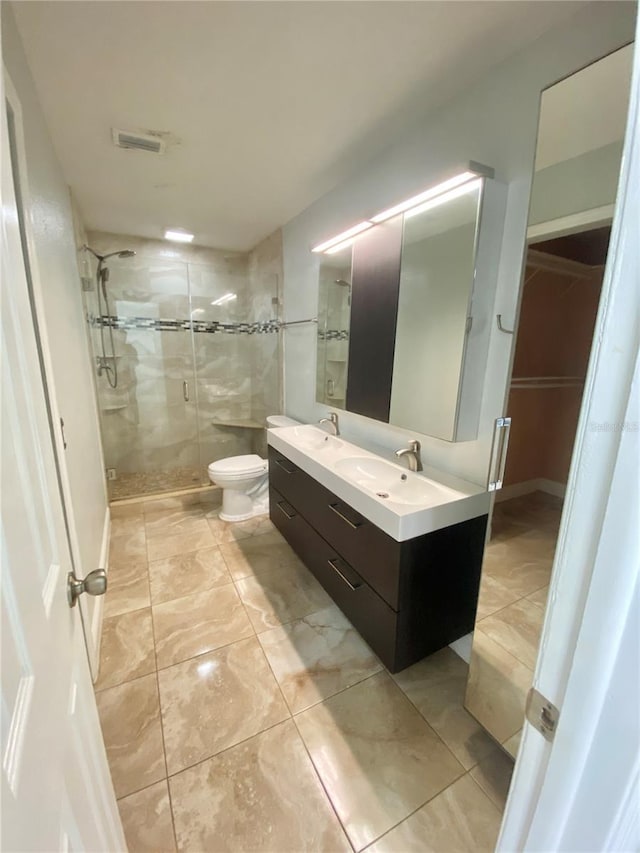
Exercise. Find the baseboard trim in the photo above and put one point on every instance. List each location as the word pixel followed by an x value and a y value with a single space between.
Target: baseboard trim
pixel 516 490
pixel 98 610
pixel 551 487
pixel 540 484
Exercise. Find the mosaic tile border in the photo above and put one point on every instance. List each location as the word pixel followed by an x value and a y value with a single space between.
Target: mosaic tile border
pixel 201 326
pixel 333 334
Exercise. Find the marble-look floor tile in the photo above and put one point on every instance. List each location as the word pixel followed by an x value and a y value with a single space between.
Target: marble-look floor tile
pixel 261 795
pixel 436 686
pixel 493 596
pixel 171 503
pixel 317 656
pixel 127 588
pixel 493 774
pixel 198 623
pixel 184 574
pixel 130 721
pixel 253 555
pixel 376 756
pixel 512 745
pixel 540 596
pixel 225 531
pixel 161 547
pixel 126 510
pixel 131 546
pixel 146 820
pixel 521 573
pixel 127 648
pixel 173 522
pixel 517 628
pixel 210 498
pixel 217 700
pixel 462 819
pixel 280 595
pixel 497 687
pixel 126 525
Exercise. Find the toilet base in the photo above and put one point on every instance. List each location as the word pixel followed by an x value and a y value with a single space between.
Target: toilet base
pixel 237 506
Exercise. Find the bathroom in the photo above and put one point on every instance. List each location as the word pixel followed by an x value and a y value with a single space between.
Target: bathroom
pixel 236 685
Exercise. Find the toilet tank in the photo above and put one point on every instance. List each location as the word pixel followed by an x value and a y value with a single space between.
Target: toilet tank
pixel 280 421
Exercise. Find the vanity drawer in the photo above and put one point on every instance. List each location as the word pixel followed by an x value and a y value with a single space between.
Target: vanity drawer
pixel 370 615
pixel 373 554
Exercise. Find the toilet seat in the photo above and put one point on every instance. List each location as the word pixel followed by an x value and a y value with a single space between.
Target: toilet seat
pixel 239 467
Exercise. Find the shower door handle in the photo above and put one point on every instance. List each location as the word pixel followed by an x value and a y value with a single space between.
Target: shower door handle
pixel 185 390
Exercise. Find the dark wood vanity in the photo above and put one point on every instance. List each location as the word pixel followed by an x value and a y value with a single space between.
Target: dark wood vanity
pixel 407 599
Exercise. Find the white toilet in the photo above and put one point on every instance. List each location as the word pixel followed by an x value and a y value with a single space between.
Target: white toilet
pixel 244 480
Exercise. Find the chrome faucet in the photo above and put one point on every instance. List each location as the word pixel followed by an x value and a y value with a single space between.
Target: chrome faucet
pixel 333 421
pixel 412 454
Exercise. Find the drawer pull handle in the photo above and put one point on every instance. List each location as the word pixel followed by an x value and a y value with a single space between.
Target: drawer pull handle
pixel 344 577
pixel 281 505
pixel 354 524
pixel 284 467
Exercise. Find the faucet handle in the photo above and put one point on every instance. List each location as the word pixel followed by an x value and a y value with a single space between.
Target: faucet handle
pixel 415 445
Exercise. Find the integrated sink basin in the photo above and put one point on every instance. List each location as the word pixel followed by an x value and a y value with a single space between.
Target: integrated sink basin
pixel 403 503
pixel 313 438
pixel 391 482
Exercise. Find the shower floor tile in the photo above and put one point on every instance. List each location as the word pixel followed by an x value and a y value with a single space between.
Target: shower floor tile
pixel 151 482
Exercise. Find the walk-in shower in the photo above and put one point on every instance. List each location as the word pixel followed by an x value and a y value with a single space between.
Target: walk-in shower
pixel 107 364
pixel 188 373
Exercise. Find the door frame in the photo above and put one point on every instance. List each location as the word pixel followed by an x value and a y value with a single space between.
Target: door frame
pixel 565 792
pixel 92 631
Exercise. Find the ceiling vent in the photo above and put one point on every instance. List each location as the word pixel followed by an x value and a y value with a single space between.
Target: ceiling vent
pixel 138 141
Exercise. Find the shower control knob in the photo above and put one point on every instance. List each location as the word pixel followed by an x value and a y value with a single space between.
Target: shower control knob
pixel 95 583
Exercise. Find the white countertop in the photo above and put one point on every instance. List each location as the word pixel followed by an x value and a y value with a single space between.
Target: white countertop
pixel 447 500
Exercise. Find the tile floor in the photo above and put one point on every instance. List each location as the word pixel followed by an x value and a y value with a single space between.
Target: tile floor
pixel 242 712
pixel 511 606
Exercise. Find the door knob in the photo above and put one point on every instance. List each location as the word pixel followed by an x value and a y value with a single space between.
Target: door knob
pixel 95 583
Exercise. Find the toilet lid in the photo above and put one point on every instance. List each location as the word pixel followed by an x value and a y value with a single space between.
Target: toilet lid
pixel 239 465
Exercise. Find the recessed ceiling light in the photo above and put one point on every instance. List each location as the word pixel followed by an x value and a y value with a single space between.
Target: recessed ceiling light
pixel 178 235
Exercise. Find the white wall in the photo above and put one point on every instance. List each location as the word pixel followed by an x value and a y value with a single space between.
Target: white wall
pixel 494 123
pixel 56 268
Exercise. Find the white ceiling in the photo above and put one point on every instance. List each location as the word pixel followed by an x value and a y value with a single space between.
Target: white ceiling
pixel 586 111
pixel 273 103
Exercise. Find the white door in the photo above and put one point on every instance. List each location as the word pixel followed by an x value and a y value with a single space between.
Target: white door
pixel 56 789
pixel 91 607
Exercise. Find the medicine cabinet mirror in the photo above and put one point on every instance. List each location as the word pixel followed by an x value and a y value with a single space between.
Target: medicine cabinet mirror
pixel 397 306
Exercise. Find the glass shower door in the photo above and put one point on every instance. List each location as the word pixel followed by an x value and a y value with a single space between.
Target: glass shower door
pixel 149 421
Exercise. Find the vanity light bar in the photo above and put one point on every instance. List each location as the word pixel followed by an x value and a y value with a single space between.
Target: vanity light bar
pixel 339 246
pixel 415 200
pixel 445 197
pixel 344 236
pixel 451 188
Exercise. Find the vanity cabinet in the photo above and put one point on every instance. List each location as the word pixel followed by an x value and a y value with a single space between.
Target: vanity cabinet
pixel 407 599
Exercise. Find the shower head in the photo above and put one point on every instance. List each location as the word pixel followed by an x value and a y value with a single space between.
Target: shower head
pixel 124 253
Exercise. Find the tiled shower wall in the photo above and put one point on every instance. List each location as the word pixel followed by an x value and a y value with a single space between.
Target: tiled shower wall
pixel 168 332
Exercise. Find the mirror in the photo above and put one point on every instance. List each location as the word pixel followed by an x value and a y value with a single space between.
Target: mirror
pixel 334 310
pixel 394 315
pixel 436 283
pixel 581 128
